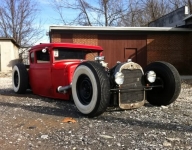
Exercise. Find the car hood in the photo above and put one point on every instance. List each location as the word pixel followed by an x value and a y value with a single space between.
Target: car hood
pixel 67 63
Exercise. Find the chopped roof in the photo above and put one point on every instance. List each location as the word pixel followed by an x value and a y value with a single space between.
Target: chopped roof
pixel 69 45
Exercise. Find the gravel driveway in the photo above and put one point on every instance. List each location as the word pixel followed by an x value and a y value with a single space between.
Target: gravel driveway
pixel 32 122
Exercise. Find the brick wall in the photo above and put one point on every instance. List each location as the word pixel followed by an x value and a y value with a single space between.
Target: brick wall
pixel 90 39
pixel 172 48
pixel 56 38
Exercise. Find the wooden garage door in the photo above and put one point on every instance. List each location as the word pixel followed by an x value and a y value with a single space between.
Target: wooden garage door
pixel 130 53
pixel 123 47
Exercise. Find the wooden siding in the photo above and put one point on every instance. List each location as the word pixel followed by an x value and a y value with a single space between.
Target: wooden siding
pixel 123 47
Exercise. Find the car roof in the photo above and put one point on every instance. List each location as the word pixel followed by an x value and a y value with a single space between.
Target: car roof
pixel 68 45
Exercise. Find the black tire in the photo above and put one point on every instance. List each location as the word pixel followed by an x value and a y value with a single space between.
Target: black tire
pixel 19 78
pixel 167 75
pixel 91 89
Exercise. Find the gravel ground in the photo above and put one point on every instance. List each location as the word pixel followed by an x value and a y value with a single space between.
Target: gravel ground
pixel 32 122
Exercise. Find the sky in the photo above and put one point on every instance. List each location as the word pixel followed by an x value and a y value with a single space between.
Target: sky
pixel 45 16
pixel 49 17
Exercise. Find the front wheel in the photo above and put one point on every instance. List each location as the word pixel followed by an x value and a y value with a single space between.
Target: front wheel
pixel 90 89
pixel 167 76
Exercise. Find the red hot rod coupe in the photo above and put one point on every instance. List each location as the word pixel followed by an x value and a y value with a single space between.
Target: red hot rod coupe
pixel 64 71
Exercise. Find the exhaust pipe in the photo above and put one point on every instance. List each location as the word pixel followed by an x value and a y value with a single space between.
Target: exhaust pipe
pixel 63 89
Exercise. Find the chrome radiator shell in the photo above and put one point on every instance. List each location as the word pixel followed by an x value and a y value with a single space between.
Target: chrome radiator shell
pixel 131 92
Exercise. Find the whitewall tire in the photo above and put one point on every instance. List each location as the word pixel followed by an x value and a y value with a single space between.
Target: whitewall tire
pixel 90 89
pixel 19 78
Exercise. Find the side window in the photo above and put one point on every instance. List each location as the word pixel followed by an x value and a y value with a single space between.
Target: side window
pixel 43 56
pixel 32 59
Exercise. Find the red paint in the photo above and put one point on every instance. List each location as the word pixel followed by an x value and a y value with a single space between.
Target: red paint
pixel 44 78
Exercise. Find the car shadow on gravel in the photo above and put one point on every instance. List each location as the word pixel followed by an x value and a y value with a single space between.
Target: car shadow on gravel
pixel 10 92
pixel 147 124
pixel 31 102
pixel 64 110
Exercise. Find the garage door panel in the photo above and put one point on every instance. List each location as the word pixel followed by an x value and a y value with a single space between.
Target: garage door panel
pixel 120 47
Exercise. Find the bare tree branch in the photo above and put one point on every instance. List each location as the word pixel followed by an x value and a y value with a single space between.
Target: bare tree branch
pixel 98 12
pixel 118 12
pixel 18 21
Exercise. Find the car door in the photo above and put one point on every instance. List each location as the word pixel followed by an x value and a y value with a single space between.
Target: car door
pixel 40 72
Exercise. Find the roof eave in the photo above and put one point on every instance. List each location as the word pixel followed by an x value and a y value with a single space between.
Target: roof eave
pixel 188 17
pixel 12 40
pixel 140 29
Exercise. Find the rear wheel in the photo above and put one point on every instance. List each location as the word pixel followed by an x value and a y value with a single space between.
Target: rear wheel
pixel 19 78
pixel 90 89
pixel 168 76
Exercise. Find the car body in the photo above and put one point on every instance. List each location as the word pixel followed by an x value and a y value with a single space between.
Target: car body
pixel 47 74
pixel 78 72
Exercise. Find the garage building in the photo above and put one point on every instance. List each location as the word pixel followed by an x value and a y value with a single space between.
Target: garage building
pixel 141 44
pixel 9 54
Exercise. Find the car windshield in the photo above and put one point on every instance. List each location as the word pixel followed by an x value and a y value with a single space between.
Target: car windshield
pixel 64 53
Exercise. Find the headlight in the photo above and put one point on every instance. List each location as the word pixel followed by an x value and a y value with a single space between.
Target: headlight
pixel 119 78
pixel 151 76
pixel 100 58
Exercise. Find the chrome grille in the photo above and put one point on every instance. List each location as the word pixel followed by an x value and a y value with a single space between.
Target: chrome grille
pixel 132 83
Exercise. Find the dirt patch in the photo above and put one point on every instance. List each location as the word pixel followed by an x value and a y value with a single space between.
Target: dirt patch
pixel 5 74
